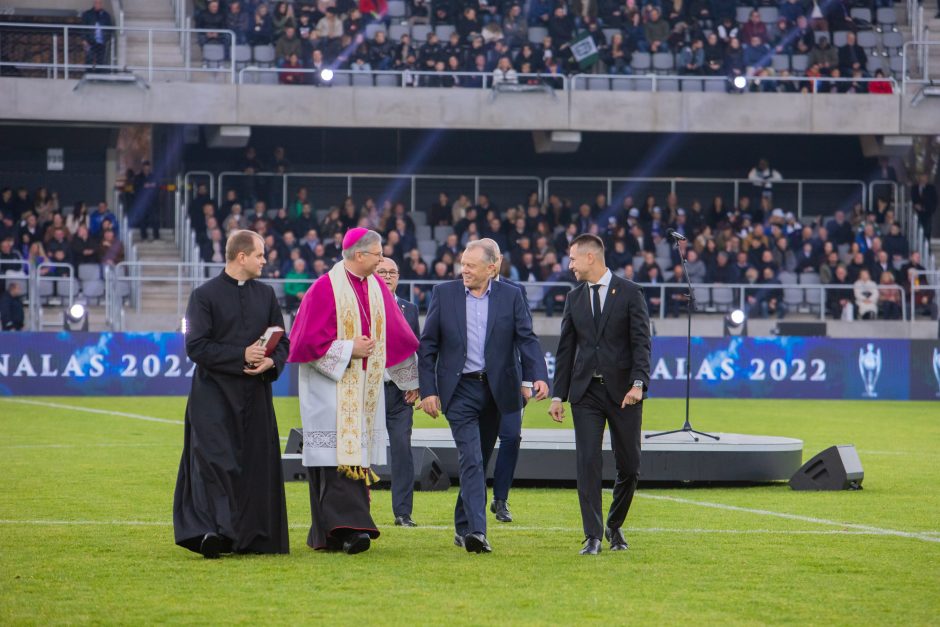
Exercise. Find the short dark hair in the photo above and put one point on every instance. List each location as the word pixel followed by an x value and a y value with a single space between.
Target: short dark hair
pixel 590 241
pixel 242 241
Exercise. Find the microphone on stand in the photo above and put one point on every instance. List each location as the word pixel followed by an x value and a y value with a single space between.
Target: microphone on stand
pixel 679 237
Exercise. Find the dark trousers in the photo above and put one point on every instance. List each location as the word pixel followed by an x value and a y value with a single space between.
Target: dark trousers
pixel 474 422
pixel 150 219
pixel 510 438
pixel 399 419
pixel 591 413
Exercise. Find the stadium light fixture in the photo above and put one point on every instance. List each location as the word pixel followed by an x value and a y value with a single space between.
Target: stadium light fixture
pixel 75 318
pixel 739 82
pixel 735 323
pixel 326 75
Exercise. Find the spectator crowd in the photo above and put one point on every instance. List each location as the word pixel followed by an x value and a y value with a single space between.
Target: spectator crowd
pixel 749 242
pixel 500 38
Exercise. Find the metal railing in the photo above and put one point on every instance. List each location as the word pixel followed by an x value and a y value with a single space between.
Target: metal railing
pixel 786 192
pixel 932 285
pixel 325 189
pixel 673 82
pixel 915 65
pixel 252 74
pixel 71 33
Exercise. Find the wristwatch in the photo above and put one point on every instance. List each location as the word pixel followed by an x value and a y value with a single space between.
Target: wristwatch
pixel 638 384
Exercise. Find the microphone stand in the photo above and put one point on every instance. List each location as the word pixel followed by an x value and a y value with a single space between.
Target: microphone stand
pixel 687 427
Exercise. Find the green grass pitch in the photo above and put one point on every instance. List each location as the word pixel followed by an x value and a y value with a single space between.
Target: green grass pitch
pixel 86 534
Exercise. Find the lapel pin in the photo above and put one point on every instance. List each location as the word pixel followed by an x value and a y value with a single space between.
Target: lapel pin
pixel 613 291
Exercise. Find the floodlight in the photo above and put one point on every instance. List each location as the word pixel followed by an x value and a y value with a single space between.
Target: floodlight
pixel 735 323
pixel 75 318
pixel 739 82
pixel 326 75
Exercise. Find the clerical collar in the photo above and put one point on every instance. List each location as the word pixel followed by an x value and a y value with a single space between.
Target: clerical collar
pixel 230 279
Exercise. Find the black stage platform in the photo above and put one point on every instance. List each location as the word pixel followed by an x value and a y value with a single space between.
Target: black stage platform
pixel 548 456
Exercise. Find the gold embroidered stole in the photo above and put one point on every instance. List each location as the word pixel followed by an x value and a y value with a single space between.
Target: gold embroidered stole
pixel 351 404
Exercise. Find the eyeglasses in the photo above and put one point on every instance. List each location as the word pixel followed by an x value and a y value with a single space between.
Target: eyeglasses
pixel 369 252
pixel 387 272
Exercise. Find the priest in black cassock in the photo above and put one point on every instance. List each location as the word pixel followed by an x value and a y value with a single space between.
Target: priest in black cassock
pixel 230 489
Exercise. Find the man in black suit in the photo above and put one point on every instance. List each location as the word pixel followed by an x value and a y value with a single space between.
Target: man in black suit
pixel 467 366
pixel 399 415
pixel 96 35
pixel 603 368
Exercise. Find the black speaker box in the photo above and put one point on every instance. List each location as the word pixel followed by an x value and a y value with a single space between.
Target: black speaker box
pixel 836 468
pixel 803 329
pixel 429 472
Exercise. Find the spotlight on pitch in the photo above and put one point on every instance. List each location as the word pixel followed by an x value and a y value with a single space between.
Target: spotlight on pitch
pixel 739 82
pixel 326 75
pixel 735 323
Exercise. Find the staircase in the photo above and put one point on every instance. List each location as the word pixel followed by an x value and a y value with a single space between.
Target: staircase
pixel 164 47
pixel 163 301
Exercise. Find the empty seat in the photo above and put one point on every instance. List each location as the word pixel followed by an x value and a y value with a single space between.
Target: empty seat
pixel 621 84
pixel 886 17
pixel 242 56
pixel 722 298
pixel 641 62
pixel 702 297
pixel 441 232
pixel 93 289
pixel 89 271
pixel 876 63
pixel 419 32
pixel 892 42
pixel 610 32
pixel 768 15
pixel 340 80
pixel 423 232
pixel 387 80
pixel 793 296
pixel 419 218
pixel 840 38
pixel 362 79
pixel 663 62
pixel 667 84
pixel 263 55
pixel 396 8
pixel 395 31
pixel 598 83
pixel 717 86
pixel 810 278
pixel 799 62
pixel 780 62
pixel 213 55
pixel 537 34
pixel 643 84
pixel 867 38
pixel 896 65
pixel 692 84
pixel 427 248
pixel 743 14
pixel 787 277
pixel 444 30
pixel 267 78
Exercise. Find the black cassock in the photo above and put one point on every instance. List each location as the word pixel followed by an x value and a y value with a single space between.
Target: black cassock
pixel 230 480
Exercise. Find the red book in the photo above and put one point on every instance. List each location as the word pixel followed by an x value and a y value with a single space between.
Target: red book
pixel 269 339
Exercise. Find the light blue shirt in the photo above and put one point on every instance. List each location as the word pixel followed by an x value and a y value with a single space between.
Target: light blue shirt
pixel 478 310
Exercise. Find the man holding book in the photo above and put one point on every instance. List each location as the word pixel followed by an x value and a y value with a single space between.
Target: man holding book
pixel 348 333
pixel 230 489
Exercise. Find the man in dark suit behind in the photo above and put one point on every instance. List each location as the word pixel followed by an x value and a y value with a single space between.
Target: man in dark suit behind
pixel 399 415
pixel 468 367
pixel 924 200
pixel 603 367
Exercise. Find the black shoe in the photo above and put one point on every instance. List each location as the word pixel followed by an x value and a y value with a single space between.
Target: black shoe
pixel 592 546
pixel 476 543
pixel 404 521
pixel 458 540
pixel 616 539
pixel 356 543
pixel 211 546
pixel 501 509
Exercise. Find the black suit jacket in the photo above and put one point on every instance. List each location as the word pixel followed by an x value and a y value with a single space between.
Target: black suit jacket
pixel 619 350
pixel 395 398
pixel 927 198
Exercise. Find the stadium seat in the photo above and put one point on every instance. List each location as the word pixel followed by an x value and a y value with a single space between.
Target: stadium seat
pixel 887 18
pixel 643 84
pixel 716 86
pixel 667 84
pixel 427 248
pixel 395 31
pixel 810 278
pixel 840 38
pixel 820 34
pixel 242 57
pixel 641 62
pixel 598 83
pixel 780 62
pixel 768 15
pixel 703 298
pixel 867 39
pixel 419 218
pixel 263 55
pixel 876 63
pixel 860 13
pixel 396 9
pixel 787 277
pixel 89 271
pixel 441 232
pixel 268 78
pixel 692 84
pixel 799 63
pixel 340 80
pixel 419 32
pixel 610 32
pixel 723 298
pixel 537 34
pixel 743 13
pixel 896 65
pixel 372 28
pixel 621 84
pixel 793 297
pixel 892 42
pixel 423 232
pixel 213 55
pixel 387 80
pixel 362 79
pixel 444 30
pixel 663 62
